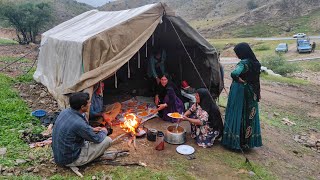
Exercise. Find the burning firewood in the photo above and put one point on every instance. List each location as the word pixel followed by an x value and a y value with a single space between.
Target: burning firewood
pixel 130 125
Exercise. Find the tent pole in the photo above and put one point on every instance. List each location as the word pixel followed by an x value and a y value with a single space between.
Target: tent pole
pixel 139 59
pixel 129 69
pixel 115 80
pixel 147 48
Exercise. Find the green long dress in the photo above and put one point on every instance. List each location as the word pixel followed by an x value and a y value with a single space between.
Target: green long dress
pixel 242 124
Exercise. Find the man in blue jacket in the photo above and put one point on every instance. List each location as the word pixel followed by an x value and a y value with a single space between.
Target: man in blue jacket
pixel 74 141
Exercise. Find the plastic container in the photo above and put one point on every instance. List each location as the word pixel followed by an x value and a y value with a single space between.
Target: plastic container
pixel 39 113
pixel 160 141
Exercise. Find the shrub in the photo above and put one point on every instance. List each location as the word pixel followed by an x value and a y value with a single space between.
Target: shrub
pixel 279 65
pixel 251 4
pixel 261 47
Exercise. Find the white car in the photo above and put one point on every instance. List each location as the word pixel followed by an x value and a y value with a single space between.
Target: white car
pixel 299 35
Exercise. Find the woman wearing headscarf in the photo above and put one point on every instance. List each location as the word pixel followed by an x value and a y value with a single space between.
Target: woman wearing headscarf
pixel 206 124
pixel 242 124
pixel 167 99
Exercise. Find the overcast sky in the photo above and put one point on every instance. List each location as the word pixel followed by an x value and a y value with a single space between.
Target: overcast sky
pixel 95 3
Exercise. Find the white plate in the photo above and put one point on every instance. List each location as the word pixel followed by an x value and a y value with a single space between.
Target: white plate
pixel 185 149
pixel 170 115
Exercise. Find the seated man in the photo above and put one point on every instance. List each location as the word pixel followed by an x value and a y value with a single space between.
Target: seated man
pixel 100 115
pixel 156 65
pixel 74 141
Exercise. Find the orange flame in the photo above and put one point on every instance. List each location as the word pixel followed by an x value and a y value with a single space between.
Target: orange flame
pixel 131 123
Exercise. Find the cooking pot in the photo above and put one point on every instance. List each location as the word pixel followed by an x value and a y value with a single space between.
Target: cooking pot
pixel 175 135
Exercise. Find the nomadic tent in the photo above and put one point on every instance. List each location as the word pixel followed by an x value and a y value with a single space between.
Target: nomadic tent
pixel 92 46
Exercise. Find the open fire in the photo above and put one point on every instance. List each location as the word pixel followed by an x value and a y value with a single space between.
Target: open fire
pixel 130 125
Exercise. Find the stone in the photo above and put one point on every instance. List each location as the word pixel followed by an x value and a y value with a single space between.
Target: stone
pixel 296 138
pixel 20 161
pixel 251 173
pixel 32 86
pixel 8 174
pixel 23 95
pixel 17 172
pixel 31 156
pixel 9 170
pixel 36 170
pixel 21 131
pixel 43 94
pixel 302 137
pixel 313 129
pixel 106 177
pixel 30 169
pixel 310 143
pixel 53 170
pixel 318 144
pixel 276 114
pixel 94 178
pixel 3 151
pixel 295 151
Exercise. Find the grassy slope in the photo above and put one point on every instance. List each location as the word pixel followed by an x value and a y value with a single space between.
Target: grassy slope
pixel 14 116
pixel 308 24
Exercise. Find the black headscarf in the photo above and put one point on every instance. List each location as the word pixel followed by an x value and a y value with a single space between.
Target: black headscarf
pixel 244 51
pixel 161 91
pixel 212 109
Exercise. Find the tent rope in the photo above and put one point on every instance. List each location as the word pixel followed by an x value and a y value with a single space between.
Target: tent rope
pixel 191 60
pixel 38 50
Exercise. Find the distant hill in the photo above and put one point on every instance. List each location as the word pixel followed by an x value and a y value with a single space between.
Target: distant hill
pixel 95 3
pixel 62 10
pixel 240 18
pixel 219 18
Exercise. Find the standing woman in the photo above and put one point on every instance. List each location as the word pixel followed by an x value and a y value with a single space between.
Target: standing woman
pixel 205 119
pixel 242 124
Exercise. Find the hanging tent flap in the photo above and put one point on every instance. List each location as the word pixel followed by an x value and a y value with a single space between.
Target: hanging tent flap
pixel 122 46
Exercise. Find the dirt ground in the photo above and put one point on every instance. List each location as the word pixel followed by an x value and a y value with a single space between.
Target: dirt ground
pixel 281 154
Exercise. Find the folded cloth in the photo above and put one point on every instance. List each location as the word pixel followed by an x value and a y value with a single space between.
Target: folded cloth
pixel 189 90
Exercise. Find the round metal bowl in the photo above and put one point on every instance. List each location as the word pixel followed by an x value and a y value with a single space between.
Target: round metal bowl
pixel 174 135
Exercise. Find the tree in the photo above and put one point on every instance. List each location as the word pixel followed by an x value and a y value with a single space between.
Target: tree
pixel 251 4
pixel 27 18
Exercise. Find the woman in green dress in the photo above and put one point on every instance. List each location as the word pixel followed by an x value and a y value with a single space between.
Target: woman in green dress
pixel 242 124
